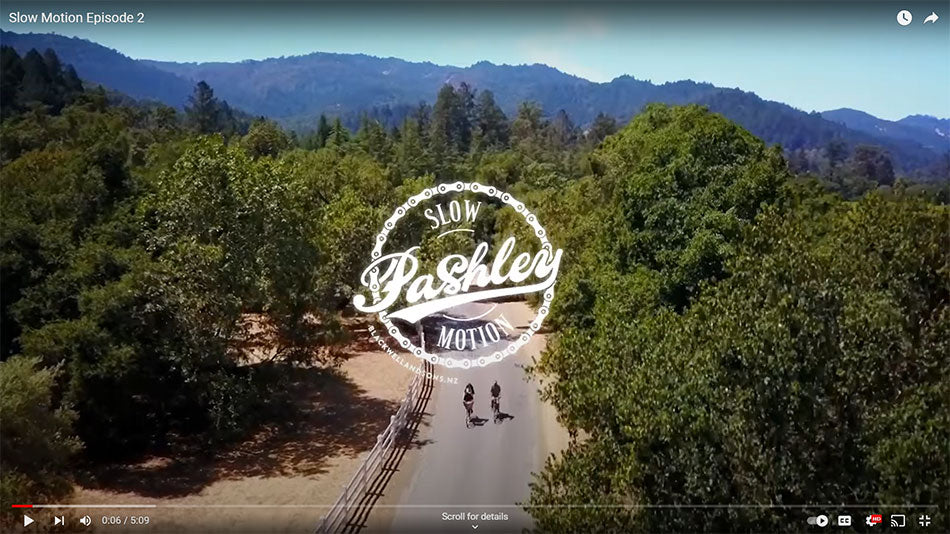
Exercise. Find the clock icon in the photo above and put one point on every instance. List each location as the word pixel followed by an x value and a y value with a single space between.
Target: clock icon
pixel 904 17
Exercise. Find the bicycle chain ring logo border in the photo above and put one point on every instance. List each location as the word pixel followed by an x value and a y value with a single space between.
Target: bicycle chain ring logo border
pixel 457 188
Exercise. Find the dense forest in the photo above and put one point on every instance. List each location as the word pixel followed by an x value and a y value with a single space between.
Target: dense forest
pixel 730 334
pixel 729 326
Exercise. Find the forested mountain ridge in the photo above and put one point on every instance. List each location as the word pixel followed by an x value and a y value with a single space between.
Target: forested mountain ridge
pixel 296 90
pixel 930 132
pixel 928 122
pixel 97 63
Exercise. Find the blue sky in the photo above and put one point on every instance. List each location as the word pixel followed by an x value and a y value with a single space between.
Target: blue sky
pixel 814 56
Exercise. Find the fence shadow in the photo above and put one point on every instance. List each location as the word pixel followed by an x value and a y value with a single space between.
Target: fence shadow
pixel 407 440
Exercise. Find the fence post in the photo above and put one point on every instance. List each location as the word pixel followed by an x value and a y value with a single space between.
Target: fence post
pixel 356 485
pixel 422 335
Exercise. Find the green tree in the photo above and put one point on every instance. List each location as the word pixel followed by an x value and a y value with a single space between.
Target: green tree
pixel 528 127
pixel 411 157
pixel 602 127
pixel 836 152
pixel 677 187
pixel 54 67
pixel 339 135
pixel 353 192
pixel 560 131
pixel 798 161
pixel 423 117
pixel 202 110
pixel 37 438
pixel 872 163
pixel 490 125
pixel 373 139
pixel 12 67
pixel 165 118
pixel 464 117
pixel 71 83
pixel 37 84
pixel 51 197
pixel 265 138
pixel 228 123
pixel 750 395
pixel 321 134
pixel 447 115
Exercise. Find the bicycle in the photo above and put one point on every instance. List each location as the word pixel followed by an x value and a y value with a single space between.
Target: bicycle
pixel 468 414
pixel 496 410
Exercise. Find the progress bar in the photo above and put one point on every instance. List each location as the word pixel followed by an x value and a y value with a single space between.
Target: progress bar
pixel 85 506
pixel 466 505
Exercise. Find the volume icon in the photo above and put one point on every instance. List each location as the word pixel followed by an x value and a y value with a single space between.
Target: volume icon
pixel 86 520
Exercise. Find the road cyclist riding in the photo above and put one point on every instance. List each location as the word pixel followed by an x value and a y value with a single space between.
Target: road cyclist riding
pixel 495 402
pixel 468 401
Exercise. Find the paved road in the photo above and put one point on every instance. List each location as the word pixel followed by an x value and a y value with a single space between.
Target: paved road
pixel 486 468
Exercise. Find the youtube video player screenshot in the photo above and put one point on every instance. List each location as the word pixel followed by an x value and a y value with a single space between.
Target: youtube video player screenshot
pixel 421 267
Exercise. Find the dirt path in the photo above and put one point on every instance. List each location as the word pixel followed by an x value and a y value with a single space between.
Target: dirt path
pixel 290 470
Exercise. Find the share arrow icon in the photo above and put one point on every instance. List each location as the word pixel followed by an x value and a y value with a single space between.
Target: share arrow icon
pixel 931 18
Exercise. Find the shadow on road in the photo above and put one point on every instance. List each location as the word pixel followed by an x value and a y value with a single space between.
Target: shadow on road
pixel 502 417
pixel 408 440
pixel 478 421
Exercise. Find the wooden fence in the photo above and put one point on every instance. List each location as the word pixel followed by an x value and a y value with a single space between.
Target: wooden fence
pixel 354 491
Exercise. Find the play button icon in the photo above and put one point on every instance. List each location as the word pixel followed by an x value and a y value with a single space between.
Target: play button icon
pixel 27 520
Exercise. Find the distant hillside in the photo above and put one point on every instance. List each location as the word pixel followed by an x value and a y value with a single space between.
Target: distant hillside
pixel 928 131
pixel 295 90
pixel 305 86
pixel 106 66
pixel 940 127
pixel 333 83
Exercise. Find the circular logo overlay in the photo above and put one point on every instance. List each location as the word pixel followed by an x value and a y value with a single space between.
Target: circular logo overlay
pixel 439 286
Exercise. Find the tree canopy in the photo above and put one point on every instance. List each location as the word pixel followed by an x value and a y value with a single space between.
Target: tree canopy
pixel 735 338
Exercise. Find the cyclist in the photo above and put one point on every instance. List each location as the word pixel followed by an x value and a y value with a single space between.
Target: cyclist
pixel 469 389
pixel 495 394
pixel 468 400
